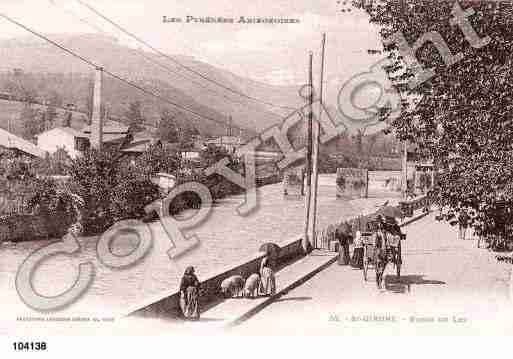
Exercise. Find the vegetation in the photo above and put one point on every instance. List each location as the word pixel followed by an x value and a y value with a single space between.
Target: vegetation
pixel 460 117
pixel 135 117
pixel 33 122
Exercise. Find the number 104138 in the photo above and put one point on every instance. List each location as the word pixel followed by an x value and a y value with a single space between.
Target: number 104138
pixel 29 346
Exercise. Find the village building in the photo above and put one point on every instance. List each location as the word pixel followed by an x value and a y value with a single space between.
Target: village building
pixel 75 142
pixel 12 144
pixel 230 143
pixel 72 141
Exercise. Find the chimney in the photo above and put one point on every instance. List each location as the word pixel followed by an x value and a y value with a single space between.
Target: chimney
pixel 97 119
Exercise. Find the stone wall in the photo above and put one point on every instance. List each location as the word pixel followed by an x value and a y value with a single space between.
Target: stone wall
pixel 168 305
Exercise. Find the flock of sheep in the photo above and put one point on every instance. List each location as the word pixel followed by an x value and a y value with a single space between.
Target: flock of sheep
pixel 236 286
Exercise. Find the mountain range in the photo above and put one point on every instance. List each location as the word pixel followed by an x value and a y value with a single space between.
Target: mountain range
pixel 53 70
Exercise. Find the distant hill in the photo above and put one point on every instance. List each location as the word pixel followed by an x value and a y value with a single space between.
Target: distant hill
pixel 10 117
pixel 53 70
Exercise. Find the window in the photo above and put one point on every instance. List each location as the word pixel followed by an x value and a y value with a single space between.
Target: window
pixel 81 144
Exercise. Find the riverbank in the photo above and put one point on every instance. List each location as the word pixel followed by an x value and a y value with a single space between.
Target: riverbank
pixel 225 240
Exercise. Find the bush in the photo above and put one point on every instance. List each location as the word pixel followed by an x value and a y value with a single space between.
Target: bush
pixel 131 195
pixel 94 177
pixel 56 205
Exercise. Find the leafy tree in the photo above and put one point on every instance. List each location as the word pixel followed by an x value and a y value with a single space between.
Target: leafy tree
pixel 131 194
pixel 94 175
pixel 461 117
pixel 33 123
pixel 135 116
pixel 55 164
pixel 157 159
pixel 168 129
pixel 115 188
pixel 57 204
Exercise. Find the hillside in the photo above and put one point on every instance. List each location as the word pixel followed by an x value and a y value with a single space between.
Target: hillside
pixel 71 79
pixel 10 117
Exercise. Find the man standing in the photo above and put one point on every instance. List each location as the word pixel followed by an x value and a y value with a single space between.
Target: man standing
pixel 463 219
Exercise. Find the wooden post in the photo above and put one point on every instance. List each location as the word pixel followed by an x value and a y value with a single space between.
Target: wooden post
pixel 307 240
pixel 96 119
pixel 433 176
pixel 316 144
pixel 405 170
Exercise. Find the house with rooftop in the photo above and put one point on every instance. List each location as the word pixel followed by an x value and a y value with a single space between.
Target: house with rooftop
pixel 77 141
pixel 72 141
pixel 230 143
pixel 12 144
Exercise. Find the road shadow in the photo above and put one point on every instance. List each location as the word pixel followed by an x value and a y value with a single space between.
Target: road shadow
pixel 403 284
pixel 293 299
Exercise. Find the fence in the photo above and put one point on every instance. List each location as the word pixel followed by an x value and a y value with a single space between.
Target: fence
pixel 325 237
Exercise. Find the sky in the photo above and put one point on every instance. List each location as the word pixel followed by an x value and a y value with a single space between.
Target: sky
pixel 276 53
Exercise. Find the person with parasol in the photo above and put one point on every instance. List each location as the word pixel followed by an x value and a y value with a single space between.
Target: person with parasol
pixel 343 234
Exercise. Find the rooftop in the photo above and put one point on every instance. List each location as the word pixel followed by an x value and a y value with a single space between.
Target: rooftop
pixel 10 141
pixel 110 127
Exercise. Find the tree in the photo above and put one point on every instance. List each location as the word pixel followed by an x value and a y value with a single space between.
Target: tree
pixel 187 135
pixel 32 120
pixel 135 116
pixel 55 164
pixel 157 159
pixel 168 129
pixel 461 117
pixel 23 86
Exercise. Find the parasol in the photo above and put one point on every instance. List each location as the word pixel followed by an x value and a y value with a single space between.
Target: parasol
pixel 272 250
pixel 345 228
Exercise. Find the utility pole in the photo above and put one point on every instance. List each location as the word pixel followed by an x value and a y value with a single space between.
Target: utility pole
pixel 405 170
pixel 316 143
pixel 308 199
pixel 97 119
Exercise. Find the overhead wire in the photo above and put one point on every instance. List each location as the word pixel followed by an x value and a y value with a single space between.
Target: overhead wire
pixel 160 64
pixel 113 75
pixel 188 68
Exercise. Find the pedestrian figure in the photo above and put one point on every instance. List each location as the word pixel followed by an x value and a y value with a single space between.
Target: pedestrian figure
pixel 357 260
pixel 343 237
pixel 381 253
pixel 267 278
pixel 189 295
pixel 463 220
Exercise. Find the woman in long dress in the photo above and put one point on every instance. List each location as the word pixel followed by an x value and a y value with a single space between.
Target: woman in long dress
pixel 357 260
pixel 342 234
pixel 189 295
pixel 267 279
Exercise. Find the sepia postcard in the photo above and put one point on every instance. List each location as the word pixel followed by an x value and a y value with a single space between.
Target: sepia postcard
pixel 255 168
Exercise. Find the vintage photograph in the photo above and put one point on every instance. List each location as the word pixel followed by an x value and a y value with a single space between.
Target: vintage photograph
pixel 272 167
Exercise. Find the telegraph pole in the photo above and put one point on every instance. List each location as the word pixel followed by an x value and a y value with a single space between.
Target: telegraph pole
pixel 97 119
pixel 308 199
pixel 316 142
pixel 405 169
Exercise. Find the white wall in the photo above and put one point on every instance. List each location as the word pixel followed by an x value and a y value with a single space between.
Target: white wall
pixel 52 140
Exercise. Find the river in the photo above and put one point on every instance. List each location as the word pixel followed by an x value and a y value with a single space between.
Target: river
pixel 225 238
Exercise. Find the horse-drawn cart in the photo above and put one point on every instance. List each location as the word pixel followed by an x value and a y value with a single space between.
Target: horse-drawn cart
pixel 379 248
